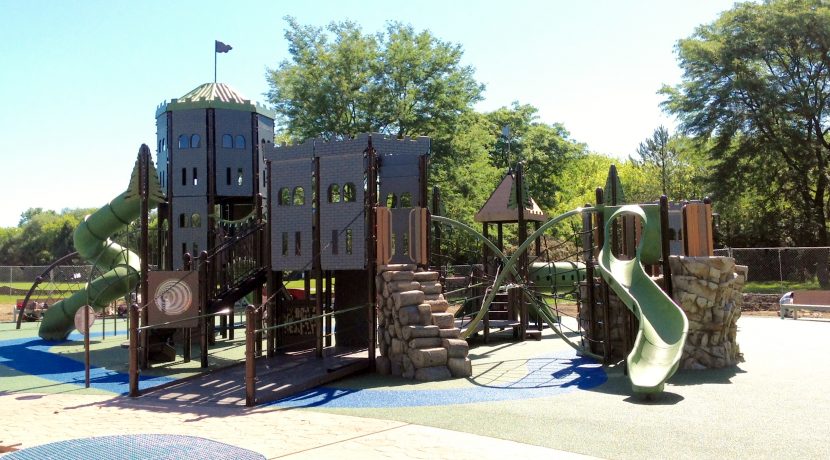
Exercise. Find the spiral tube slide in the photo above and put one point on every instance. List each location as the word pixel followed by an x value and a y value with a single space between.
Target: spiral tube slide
pixel 662 324
pixel 121 266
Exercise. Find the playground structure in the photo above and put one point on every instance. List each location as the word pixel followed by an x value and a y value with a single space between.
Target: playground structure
pixel 238 217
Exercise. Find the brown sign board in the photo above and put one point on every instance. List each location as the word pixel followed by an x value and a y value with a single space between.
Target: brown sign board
pixel 174 297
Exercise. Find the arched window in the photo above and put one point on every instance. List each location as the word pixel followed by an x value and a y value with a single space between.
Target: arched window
pixel 183 142
pixel 195 220
pixel 349 194
pixel 391 200
pixel 240 142
pixel 299 196
pixel 334 193
pixel 183 221
pixel 195 141
pixel 227 141
pixel 159 147
pixel 284 197
pixel 406 200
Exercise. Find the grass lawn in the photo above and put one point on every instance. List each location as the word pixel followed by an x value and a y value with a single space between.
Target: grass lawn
pixel 777 287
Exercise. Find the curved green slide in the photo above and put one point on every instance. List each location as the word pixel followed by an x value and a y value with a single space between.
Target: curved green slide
pixel 120 266
pixel 663 325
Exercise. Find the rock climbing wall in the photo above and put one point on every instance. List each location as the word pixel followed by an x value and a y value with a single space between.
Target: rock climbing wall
pixel 416 336
pixel 709 290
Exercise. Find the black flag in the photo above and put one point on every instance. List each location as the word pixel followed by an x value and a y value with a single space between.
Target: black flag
pixel 222 48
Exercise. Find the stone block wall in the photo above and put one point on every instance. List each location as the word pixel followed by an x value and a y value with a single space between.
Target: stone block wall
pixel 417 338
pixel 709 290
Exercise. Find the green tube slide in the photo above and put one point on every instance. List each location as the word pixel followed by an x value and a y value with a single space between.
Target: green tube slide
pixel 663 325
pixel 120 266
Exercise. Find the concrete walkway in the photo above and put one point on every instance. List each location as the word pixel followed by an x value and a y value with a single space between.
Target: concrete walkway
pixel 37 419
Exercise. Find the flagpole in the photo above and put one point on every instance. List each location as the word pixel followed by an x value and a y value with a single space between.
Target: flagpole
pixel 214 64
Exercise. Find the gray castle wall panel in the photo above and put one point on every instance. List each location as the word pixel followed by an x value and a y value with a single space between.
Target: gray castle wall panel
pixel 187 236
pixel 265 128
pixel 407 146
pixel 229 161
pixel 291 220
pixel 162 150
pixel 189 122
pixel 342 216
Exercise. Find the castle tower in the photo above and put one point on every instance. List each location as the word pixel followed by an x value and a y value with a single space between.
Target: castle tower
pixel 210 144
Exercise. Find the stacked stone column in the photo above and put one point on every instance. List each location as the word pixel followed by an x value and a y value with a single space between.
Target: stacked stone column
pixel 417 338
pixel 709 290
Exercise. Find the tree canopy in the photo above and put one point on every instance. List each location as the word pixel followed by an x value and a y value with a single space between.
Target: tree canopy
pixel 755 85
pixel 340 81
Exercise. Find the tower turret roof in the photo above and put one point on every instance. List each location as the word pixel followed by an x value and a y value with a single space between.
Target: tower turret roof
pixel 214 95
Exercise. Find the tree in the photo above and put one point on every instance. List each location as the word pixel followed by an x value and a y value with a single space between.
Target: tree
pixel 398 82
pixel 755 83
pixel 544 149
pixel 655 151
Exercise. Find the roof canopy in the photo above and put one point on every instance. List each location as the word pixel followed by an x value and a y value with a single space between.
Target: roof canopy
pixel 214 95
pixel 501 206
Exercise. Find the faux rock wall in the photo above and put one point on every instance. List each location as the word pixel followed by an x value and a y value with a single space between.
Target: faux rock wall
pixel 709 290
pixel 416 336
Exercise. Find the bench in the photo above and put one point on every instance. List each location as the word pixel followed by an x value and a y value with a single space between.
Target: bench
pixel 806 300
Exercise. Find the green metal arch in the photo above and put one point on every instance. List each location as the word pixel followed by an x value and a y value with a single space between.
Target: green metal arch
pixel 510 267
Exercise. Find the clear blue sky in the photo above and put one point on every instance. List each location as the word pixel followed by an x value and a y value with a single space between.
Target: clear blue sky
pixel 80 80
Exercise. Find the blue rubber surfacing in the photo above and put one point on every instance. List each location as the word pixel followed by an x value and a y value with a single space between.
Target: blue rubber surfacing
pixel 138 446
pixel 547 375
pixel 31 355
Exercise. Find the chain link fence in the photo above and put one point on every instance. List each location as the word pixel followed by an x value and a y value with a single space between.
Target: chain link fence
pixel 16 280
pixel 779 270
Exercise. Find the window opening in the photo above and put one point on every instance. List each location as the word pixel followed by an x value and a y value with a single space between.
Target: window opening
pixel 284 243
pixel 348 241
pixel 391 200
pixel 228 176
pixel 299 196
pixel 184 176
pixel 195 177
pixel 183 143
pixel 284 197
pixel 195 140
pixel 349 192
pixel 240 142
pixel 239 176
pixel 334 193
pixel 195 220
pixel 298 244
pixel 406 200
pixel 227 141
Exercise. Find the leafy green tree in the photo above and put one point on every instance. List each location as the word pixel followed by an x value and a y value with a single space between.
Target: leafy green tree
pixel 340 81
pixel 655 151
pixel 544 149
pixel 755 83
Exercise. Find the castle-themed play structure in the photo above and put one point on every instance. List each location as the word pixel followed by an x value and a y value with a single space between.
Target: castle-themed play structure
pixel 347 224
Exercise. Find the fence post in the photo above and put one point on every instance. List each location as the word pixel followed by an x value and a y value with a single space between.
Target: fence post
pixel 250 358
pixel 134 351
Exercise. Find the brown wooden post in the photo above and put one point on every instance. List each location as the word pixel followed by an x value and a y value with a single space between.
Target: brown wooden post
pixel 144 251
pixel 371 201
pixel 205 321
pixel 316 261
pixel 257 300
pixel 520 200
pixel 250 356
pixel 187 332
pixel 273 278
pixel 134 350
pixel 606 323
pixel 664 241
